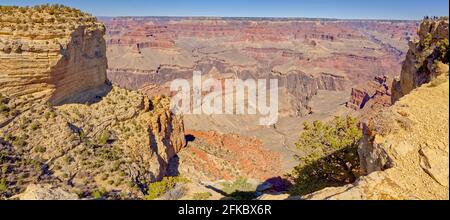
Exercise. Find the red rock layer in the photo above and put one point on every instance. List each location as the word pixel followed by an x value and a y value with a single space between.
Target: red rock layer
pixel 371 97
pixel 227 156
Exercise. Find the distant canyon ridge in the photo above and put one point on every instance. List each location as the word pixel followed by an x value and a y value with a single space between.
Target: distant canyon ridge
pixel 316 61
pixel 304 54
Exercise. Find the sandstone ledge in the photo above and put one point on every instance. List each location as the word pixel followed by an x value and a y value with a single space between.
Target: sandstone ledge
pixel 54 54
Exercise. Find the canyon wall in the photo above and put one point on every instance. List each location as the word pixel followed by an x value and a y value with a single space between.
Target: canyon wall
pixel 99 140
pixel 54 63
pixel 295 83
pixel 306 55
pixel 425 57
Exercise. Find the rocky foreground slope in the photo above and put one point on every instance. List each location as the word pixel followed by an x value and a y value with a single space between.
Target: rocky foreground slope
pixel 405 148
pixel 98 141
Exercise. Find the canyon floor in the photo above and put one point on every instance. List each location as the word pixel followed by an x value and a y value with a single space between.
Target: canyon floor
pixel 282 137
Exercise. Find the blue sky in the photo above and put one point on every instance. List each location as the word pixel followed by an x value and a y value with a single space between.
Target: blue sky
pixel 345 9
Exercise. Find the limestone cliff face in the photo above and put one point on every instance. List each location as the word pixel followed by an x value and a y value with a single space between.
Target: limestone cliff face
pixel 164 140
pixel 53 62
pixel 405 148
pixel 425 58
pixel 299 85
pixel 113 146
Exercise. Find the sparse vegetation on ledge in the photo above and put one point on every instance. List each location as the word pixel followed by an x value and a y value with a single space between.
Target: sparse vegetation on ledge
pixel 333 160
pixel 42 18
pixel 94 146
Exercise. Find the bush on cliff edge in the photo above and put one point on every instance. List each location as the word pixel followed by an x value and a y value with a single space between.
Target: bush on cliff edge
pixel 333 160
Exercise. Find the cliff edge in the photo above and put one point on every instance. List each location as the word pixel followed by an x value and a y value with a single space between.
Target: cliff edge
pixel 63 127
pixel 405 148
pixel 426 57
pixel 53 53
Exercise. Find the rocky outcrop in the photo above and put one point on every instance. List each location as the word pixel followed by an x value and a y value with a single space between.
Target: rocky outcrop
pixel 46 192
pixel 113 146
pixel 405 148
pixel 165 139
pixel 302 87
pixel 51 59
pixel 331 82
pixel 120 143
pixel 371 97
pixel 426 58
pixel 404 151
pixel 363 95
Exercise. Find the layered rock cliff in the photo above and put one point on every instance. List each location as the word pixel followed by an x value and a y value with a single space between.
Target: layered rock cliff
pixel 51 54
pixel 426 58
pixel 294 83
pixel 304 54
pixel 371 97
pixel 113 146
pixel 405 148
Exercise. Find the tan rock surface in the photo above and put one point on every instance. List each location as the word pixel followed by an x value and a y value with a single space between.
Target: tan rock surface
pixel 46 192
pixel 409 161
pixel 422 64
pixel 405 148
pixel 111 146
pixel 58 59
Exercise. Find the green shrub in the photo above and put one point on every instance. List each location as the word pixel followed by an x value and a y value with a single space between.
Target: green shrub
pixel 104 137
pixel 68 159
pixel 34 126
pixel 19 142
pixel 81 135
pixel 426 41
pixel 157 189
pixel 40 149
pixel 240 189
pixel 47 115
pixel 333 160
pixel 240 184
pixel 4 108
pixel 442 51
pixel 3 185
pixel 4 104
pixel 99 193
pixel 201 196
pixel 5 169
pixel 109 153
pixel 2 157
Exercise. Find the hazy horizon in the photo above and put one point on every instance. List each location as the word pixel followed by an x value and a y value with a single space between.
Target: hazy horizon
pixel 267 17
pixel 290 9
